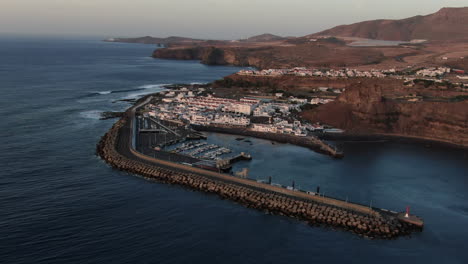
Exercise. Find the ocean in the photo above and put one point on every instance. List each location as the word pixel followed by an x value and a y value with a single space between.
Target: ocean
pixel 62 204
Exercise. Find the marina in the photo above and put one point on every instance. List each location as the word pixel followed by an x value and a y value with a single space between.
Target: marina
pixel 117 148
pixel 177 142
pixel 68 206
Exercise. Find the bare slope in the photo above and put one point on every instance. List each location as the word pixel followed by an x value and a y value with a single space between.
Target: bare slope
pixel 446 24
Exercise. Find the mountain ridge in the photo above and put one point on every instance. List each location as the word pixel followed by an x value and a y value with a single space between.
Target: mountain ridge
pixel 266 37
pixel 445 24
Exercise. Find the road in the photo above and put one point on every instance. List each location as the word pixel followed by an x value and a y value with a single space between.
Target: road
pixel 125 147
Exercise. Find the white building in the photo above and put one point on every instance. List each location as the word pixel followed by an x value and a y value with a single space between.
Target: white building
pixel 231 120
pixel 264 128
pixel 238 108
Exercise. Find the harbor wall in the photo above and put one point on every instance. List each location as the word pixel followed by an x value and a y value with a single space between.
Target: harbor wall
pixel 115 148
pixel 312 143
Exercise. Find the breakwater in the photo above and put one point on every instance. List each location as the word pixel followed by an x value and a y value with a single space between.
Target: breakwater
pixel 115 147
pixel 312 143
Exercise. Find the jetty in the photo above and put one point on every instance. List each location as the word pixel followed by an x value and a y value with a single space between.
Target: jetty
pixel 117 148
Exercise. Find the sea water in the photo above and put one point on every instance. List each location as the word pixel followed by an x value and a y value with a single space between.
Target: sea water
pixel 59 203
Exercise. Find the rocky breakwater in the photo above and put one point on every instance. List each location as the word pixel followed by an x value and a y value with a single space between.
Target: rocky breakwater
pixel 115 148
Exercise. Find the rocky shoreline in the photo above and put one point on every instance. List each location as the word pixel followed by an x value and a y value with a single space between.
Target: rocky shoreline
pixel 110 115
pixel 115 149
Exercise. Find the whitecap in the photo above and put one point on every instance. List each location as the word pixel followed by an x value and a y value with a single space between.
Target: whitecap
pixel 104 92
pixel 146 89
pixel 152 86
pixel 91 114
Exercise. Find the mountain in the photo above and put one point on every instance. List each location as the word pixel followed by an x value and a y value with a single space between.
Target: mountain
pixel 446 24
pixel 182 41
pixel 263 38
pixel 155 40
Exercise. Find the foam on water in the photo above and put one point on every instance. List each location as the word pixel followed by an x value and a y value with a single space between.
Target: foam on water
pixel 91 114
pixel 152 86
pixel 146 89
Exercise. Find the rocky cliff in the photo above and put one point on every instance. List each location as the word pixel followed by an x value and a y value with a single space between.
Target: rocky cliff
pixel 207 55
pixel 365 108
pixel 311 54
pixel 373 105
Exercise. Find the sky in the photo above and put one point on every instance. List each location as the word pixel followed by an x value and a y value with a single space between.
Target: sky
pixel 208 19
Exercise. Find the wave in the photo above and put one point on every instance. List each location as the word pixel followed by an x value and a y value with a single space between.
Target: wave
pixel 91 114
pixel 111 92
pixel 152 86
pixel 133 92
pixel 127 90
pixel 146 89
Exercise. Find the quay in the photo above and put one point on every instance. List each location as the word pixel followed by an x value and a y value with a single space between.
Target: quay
pixel 312 143
pixel 118 148
pixel 241 156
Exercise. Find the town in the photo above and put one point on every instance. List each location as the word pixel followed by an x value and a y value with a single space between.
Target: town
pixel 409 74
pixel 186 106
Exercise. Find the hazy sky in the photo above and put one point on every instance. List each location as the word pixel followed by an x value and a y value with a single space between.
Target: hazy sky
pixel 216 19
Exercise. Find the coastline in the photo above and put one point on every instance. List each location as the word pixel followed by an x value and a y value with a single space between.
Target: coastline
pixel 308 142
pixel 116 149
pixel 363 137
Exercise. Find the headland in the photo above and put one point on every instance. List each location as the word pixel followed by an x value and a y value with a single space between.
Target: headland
pixel 383 78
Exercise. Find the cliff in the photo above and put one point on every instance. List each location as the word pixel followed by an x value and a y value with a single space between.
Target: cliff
pixel 365 108
pixel 372 105
pixel 310 54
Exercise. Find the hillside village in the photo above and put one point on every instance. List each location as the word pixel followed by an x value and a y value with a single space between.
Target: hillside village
pixel 192 106
pixel 409 74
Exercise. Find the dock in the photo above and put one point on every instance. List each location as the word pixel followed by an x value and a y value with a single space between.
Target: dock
pixel 241 156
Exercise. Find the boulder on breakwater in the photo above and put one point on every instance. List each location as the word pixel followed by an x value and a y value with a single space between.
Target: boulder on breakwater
pixel 367 225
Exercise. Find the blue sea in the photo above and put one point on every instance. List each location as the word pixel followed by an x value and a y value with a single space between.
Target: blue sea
pixel 59 203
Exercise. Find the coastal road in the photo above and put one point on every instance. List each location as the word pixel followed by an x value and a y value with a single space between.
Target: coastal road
pixel 126 148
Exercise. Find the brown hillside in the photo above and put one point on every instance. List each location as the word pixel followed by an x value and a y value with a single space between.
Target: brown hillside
pixel 446 24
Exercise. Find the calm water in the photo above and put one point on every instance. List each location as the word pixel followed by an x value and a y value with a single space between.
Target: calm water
pixel 61 204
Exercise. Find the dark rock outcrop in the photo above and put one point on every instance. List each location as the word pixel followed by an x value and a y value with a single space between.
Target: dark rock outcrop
pixel 363 108
pixel 310 54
